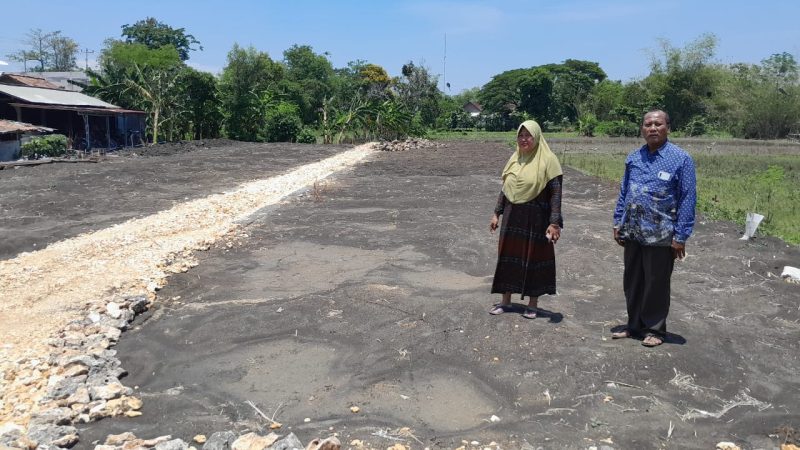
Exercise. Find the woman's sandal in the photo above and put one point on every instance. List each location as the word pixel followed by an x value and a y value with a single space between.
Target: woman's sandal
pixel 652 340
pixel 500 309
pixel 530 313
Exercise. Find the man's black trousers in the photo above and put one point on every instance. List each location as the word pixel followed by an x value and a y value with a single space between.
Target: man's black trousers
pixel 648 270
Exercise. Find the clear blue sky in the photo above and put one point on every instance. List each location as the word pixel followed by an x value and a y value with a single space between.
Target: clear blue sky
pixel 484 38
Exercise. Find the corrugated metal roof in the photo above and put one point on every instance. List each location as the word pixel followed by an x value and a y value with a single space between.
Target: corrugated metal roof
pixel 53 97
pixel 16 79
pixel 11 126
pixel 80 109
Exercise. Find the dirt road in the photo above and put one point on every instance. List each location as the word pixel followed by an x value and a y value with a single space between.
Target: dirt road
pixel 372 291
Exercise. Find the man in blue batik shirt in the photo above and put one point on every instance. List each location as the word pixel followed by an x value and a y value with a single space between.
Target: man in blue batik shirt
pixel 653 219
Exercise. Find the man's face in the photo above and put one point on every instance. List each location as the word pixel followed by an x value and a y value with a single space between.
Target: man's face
pixel 655 129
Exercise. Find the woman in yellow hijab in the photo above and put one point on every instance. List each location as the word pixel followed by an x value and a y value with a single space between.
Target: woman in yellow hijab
pixel 530 204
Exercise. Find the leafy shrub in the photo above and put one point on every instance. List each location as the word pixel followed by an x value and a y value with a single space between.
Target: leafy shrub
pixel 617 128
pixel 306 136
pixel 697 126
pixel 459 120
pixel 45 146
pixel 283 123
pixel 498 122
pixel 625 113
pixel 587 125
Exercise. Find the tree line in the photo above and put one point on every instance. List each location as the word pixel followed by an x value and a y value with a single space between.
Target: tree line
pixel 303 98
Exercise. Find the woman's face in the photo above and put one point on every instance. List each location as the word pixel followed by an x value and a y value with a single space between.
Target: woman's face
pixel 525 141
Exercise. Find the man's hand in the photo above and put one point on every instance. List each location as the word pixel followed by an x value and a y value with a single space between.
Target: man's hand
pixel 493 223
pixel 617 238
pixel 678 250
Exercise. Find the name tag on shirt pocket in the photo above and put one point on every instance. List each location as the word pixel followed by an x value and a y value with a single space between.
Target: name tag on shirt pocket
pixel 666 176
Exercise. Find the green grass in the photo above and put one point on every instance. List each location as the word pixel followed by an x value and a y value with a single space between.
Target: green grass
pixel 480 135
pixel 728 186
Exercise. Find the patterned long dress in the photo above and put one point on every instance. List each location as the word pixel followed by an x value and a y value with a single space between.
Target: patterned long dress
pixel 526 262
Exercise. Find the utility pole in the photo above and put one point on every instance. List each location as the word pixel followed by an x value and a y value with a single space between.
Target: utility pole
pixel 86 52
pixel 444 62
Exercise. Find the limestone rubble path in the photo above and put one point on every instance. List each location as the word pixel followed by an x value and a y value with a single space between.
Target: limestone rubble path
pixel 45 289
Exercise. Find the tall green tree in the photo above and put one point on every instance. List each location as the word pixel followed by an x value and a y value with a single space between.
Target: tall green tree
pixel 307 80
pixel 154 34
pixel 605 99
pixel 201 103
pixel 126 55
pixel 765 98
pixel 135 76
pixel 517 94
pixel 374 81
pixel 684 78
pixel 247 88
pixel 352 90
pixel 418 90
pixel 147 71
pixel 573 81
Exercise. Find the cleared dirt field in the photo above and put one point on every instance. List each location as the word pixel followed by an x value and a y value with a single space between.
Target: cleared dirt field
pixel 371 290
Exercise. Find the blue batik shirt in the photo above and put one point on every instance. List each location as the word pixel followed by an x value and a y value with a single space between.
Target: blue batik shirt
pixel 657 196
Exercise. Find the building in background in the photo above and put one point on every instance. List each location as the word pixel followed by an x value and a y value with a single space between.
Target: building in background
pixel 88 122
pixel 11 135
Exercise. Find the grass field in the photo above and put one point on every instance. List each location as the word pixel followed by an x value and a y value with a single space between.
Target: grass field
pixel 475 135
pixel 730 182
pixel 734 176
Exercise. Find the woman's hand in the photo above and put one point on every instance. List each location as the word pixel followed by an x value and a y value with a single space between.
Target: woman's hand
pixel 493 223
pixel 553 233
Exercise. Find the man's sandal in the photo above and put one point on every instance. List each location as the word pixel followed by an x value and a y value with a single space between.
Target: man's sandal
pixel 652 340
pixel 530 313
pixel 624 334
pixel 500 309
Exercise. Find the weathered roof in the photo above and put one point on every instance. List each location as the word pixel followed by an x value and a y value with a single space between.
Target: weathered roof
pixel 53 96
pixel 11 126
pixel 26 80
pixel 81 109
pixel 472 106
pixel 62 79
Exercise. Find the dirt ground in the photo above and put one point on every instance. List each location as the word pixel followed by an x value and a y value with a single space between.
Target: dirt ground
pixel 372 291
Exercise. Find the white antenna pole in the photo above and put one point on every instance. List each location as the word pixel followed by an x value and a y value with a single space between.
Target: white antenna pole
pixel 444 61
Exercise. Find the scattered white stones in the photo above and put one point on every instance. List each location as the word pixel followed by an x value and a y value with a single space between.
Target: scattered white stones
pixel 407 144
pixel 78 383
pixel 113 310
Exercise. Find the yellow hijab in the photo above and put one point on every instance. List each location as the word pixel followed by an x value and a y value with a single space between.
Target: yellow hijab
pixel 525 176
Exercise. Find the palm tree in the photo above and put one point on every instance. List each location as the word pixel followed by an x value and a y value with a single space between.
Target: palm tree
pixel 157 87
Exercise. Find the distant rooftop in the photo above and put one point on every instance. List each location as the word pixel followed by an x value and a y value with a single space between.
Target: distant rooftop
pixel 62 79
pixel 53 96
pixel 12 126
pixel 18 79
